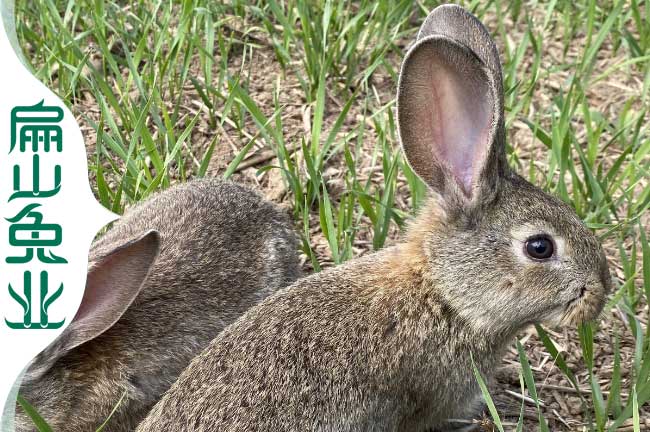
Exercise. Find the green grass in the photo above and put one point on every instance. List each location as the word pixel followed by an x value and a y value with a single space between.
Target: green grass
pixel 144 64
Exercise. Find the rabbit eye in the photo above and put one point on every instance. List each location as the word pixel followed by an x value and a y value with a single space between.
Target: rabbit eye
pixel 539 247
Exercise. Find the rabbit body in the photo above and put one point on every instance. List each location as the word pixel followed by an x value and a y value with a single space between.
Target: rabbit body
pixel 222 249
pixel 381 343
pixel 385 342
pixel 364 359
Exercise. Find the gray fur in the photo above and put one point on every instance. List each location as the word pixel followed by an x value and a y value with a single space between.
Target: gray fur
pixel 384 342
pixel 222 249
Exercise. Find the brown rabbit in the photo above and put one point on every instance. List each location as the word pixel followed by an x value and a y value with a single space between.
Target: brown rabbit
pixel 155 299
pixel 383 343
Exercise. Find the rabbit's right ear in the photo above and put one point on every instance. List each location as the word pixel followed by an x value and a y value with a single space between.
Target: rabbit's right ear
pixel 450 108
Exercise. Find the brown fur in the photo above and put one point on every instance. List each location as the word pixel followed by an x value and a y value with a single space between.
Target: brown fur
pixel 385 342
pixel 222 249
pixel 379 344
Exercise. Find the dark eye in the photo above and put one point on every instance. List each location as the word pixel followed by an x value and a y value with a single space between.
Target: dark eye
pixel 539 248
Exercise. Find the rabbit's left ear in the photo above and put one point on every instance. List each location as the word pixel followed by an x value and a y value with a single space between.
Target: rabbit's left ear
pixel 450 107
pixel 112 284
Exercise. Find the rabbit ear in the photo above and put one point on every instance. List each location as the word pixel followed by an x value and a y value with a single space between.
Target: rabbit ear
pixel 450 107
pixel 112 285
pixel 113 282
pixel 456 23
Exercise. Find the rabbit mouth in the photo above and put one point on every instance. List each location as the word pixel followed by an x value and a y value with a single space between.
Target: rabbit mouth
pixel 561 314
pixel 576 300
pixel 581 308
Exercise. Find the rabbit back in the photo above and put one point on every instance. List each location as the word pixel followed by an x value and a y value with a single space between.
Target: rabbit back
pixel 222 249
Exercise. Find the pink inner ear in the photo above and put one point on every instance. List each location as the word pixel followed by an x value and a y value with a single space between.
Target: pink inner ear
pixel 100 290
pixel 457 118
pixel 112 285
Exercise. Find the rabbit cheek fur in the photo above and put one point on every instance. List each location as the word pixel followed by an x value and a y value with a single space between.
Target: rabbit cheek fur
pixel 384 342
pixel 153 303
pixel 487 278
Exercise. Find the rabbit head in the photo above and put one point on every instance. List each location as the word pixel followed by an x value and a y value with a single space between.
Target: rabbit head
pixel 507 253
